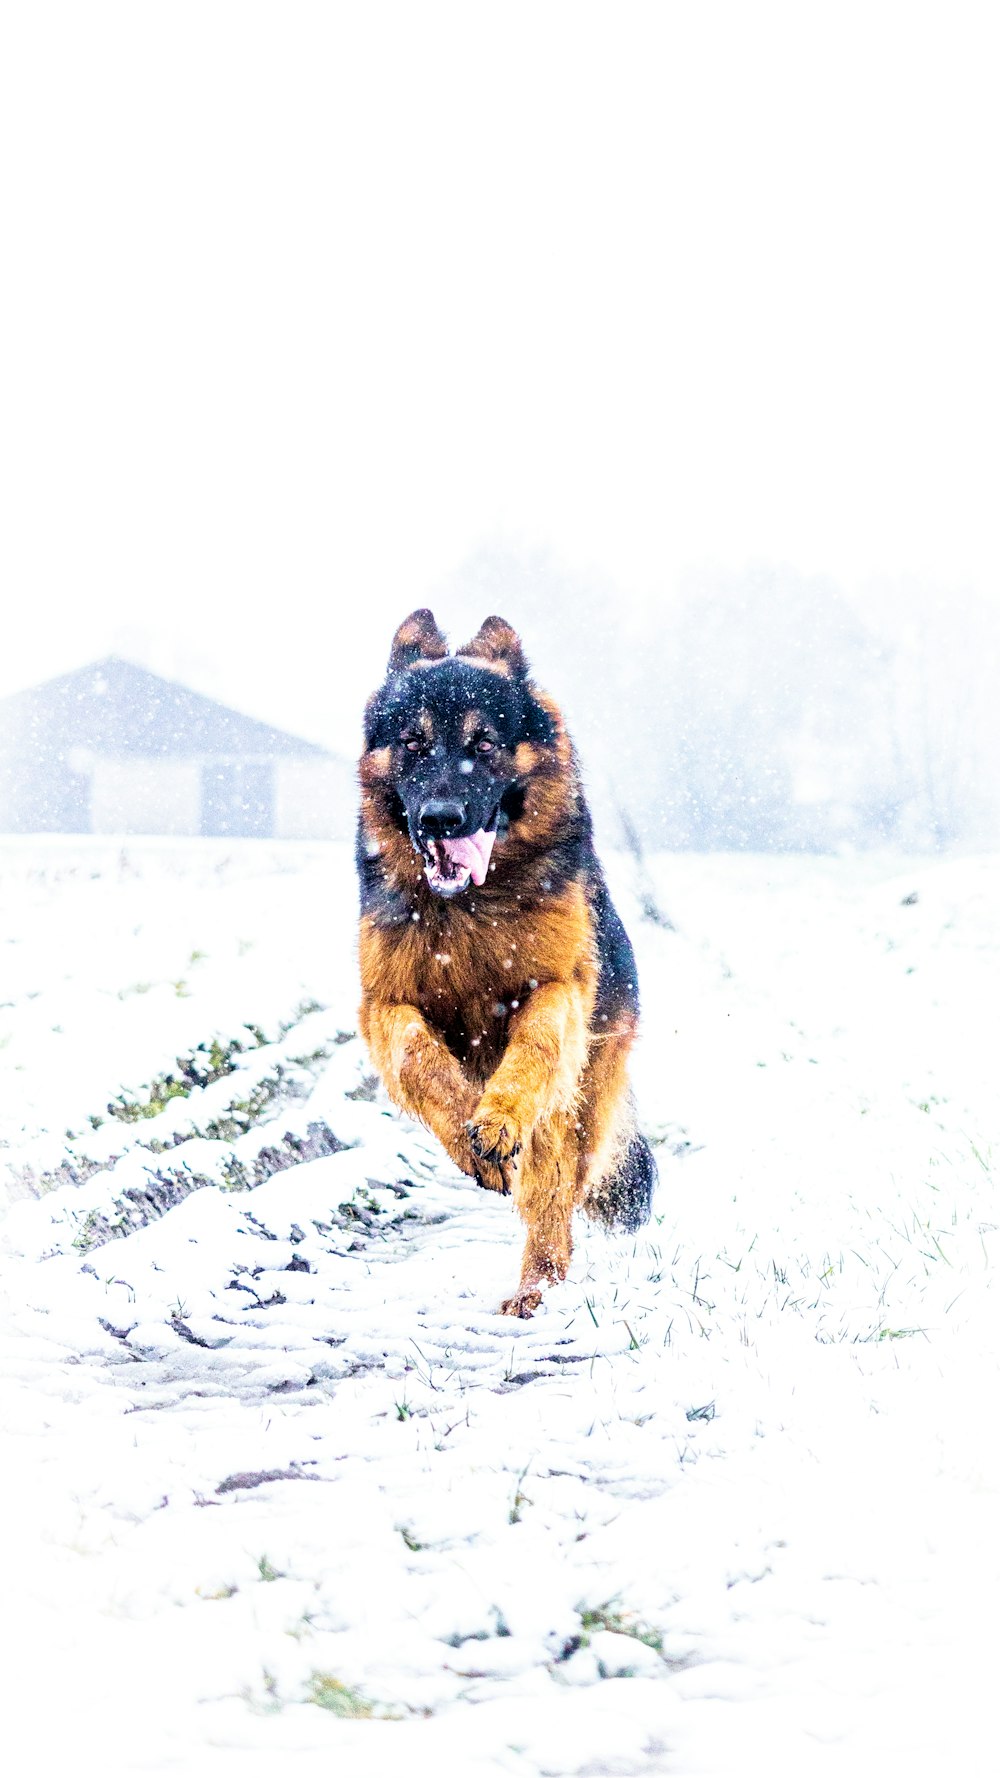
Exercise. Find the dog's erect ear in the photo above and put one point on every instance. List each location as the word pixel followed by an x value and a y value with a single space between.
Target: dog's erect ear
pixel 417 639
pixel 497 643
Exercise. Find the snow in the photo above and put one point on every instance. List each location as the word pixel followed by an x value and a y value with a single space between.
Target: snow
pixel 727 1504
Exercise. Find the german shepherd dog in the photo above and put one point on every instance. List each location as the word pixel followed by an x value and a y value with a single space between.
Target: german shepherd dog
pixel 499 986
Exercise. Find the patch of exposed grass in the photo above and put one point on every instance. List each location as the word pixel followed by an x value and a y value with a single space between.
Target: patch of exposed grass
pixel 520 1500
pixel 241 1114
pixel 207 1063
pixel 131 1111
pixel 623 1623
pixel 96 1228
pixel 289 1152
pixel 322 1689
pixel 343 1700
pixel 705 1412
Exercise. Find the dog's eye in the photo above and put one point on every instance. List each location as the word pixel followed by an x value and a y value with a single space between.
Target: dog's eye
pixel 484 746
pixel 411 744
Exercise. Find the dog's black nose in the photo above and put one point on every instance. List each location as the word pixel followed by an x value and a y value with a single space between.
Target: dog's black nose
pixel 442 820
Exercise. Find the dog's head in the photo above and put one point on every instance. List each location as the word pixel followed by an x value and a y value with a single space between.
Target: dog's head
pixel 450 742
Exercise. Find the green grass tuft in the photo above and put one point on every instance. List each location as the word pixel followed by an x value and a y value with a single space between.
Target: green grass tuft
pixel 340 1699
pixel 623 1623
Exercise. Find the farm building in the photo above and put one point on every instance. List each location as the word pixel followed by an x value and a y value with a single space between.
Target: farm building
pixel 113 748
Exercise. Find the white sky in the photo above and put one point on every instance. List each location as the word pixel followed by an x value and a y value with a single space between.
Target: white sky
pixel 304 305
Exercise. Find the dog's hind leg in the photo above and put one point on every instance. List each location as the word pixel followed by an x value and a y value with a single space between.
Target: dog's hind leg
pixel 617 1169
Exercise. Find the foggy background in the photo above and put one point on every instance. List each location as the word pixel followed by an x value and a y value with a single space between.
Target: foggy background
pixel 667 332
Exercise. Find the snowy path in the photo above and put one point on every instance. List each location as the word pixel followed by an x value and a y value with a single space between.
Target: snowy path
pixel 278 1479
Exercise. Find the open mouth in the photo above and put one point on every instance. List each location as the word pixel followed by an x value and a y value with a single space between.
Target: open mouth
pixel 452 864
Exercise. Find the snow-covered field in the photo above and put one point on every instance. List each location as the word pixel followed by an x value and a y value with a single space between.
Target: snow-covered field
pixel 279 1480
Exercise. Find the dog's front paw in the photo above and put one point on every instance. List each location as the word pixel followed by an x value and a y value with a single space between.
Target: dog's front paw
pixel 492 1178
pixel 494 1132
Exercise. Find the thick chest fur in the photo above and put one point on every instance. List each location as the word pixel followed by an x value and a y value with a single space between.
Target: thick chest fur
pixel 469 970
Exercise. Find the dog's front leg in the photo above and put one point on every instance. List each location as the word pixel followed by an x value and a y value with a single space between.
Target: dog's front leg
pixel 525 1124
pixel 538 1074
pixel 421 1074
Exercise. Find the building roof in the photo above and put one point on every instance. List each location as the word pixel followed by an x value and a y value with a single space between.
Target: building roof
pixel 114 708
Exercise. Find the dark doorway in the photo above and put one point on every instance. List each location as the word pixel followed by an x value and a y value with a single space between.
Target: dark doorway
pixel 237 798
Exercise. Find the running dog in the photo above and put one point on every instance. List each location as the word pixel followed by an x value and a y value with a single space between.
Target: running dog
pixel 499 986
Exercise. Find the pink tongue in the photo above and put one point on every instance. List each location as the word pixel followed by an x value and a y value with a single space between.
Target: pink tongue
pixel 473 852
